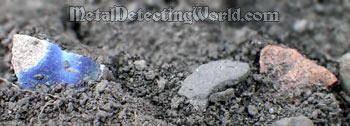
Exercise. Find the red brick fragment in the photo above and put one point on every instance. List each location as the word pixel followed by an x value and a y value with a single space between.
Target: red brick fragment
pixel 291 68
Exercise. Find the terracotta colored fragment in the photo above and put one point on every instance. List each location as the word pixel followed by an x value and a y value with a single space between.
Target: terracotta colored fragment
pixel 291 68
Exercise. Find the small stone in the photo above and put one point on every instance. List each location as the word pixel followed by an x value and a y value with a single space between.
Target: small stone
pixel 101 86
pixel 300 25
pixel 345 72
pixel 252 110
pixel 83 100
pixel 106 73
pixel 149 75
pixel 140 64
pixel 294 121
pixel 161 83
pixel 272 117
pixel 209 78
pixel 290 68
pixel 314 114
pixel 180 74
pixel 222 96
pixel 175 102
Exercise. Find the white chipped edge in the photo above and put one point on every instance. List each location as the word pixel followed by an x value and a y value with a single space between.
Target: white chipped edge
pixel 27 51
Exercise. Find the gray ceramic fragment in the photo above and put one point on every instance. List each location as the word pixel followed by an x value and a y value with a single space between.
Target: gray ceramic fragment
pixel 294 121
pixel 211 77
pixel 344 62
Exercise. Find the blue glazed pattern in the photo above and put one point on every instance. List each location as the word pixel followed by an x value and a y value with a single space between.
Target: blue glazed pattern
pixel 59 66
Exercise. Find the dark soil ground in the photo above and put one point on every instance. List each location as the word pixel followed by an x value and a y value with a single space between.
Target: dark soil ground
pixel 171 50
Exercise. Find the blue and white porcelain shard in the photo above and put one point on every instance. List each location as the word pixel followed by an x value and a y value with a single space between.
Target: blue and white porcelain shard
pixel 39 61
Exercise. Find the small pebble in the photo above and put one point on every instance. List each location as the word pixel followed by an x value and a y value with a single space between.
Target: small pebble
pixel 175 102
pixel 140 64
pixel 161 83
pixel 300 25
pixel 252 110
pixel 314 114
pixel 101 86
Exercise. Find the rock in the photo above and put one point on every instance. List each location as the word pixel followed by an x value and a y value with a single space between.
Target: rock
pixel 140 64
pixel 211 77
pixel 252 110
pixel 344 62
pixel 290 68
pixel 175 102
pixel 83 99
pixel 38 62
pixel 101 86
pixel 222 96
pixel 161 82
pixel 106 74
pixel 294 121
pixel 300 25
pixel 150 75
